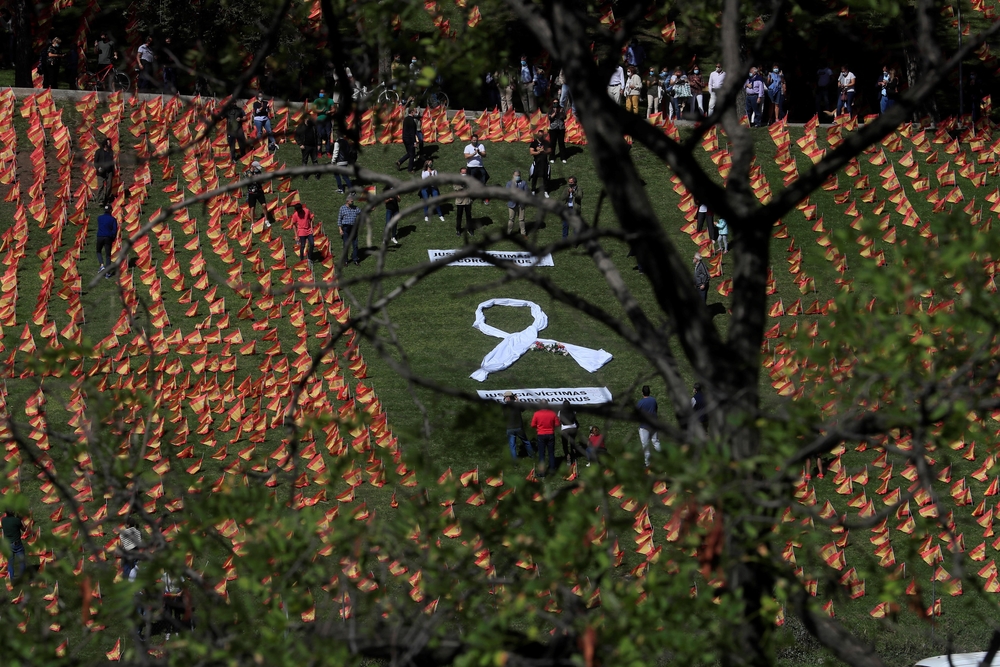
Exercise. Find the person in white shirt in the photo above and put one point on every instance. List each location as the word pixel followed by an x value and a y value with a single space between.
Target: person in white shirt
pixel 145 60
pixel 845 89
pixel 474 153
pixel 616 86
pixel 715 81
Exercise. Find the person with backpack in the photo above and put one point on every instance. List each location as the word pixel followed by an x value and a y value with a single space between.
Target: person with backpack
pixel 345 154
pixel 306 138
pixel 234 130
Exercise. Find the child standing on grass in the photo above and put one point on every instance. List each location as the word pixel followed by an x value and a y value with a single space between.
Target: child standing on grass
pixel 723 228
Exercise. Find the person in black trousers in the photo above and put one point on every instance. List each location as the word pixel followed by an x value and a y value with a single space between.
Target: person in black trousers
pixel 557 132
pixel 307 139
pixel 410 140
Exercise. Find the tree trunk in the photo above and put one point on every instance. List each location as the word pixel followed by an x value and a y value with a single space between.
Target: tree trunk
pixel 25 57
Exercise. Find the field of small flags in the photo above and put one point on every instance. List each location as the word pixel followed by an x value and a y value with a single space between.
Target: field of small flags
pixel 217 322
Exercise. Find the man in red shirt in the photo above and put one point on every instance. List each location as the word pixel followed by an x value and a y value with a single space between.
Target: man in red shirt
pixel 302 222
pixel 545 422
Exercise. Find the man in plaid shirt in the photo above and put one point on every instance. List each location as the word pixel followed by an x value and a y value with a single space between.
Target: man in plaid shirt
pixel 346 220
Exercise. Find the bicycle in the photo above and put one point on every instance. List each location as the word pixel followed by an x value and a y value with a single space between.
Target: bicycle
pixel 435 97
pixel 106 78
pixel 383 96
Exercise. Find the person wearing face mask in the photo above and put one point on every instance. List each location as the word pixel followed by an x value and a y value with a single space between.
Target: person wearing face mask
pixel 754 88
pixel 474 153
pixel 557 132
pixel 574 201
pixel 525 86
pixel 715 82
pixel 845 86
pixel 776 94
pixel 653 93
pixel 633 86
pixel 697 87
pixel 322 105
pixel 666 92
pixel 516 208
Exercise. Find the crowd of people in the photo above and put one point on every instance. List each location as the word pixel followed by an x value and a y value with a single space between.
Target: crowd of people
pixel 548 421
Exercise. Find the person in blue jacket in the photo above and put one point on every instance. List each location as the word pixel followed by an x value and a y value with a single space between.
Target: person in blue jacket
pixel 107 231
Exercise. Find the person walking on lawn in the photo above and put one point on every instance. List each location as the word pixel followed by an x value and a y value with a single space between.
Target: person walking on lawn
pixel 107 232
pixel 545 422
pixel 647 406
pixel 410 141
pixel 13 531
pixel 303 220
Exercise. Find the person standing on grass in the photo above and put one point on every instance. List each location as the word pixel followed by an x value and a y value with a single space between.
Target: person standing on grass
pixel 845 89
pixel 754 89
pixel 574 201
pixel 347 223
pixel 410 140
pixel 698 406
pixel 515 208
pixel 262 111
pixel 568 427
pixel 255 193
pixel 107 232
pixel 715 82
pixel 557 131
pixel 234 130
pixel 13 531
pixel 697 88
pixel 306 138
pixel 303 221
pixel 540 150
pixel 345 154
pixel 595 445
pixel 104 164
pixel 430 191
pixel 653 93
pixel 324 127
pixel 391 217
pixel 545 422
pixel 53 57
pixel 723 227
pixel 701 277
pixel 131 540
pixel 474 153
pixel 515 425
pixel 648 409
pixel 463 206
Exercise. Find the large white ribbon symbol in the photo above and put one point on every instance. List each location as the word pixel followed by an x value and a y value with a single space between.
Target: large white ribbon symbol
pixel 514 345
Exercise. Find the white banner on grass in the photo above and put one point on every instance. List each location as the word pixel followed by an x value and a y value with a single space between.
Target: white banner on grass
pixel 576 395
pixel 517 257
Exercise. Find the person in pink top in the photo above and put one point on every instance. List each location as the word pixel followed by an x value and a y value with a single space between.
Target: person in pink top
pixel 302 222
pixel 545 422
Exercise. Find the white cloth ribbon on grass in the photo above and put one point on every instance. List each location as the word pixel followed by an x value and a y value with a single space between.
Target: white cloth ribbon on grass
pixel 514 345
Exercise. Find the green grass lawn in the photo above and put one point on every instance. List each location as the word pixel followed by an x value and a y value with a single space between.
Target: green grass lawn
pixel 432 324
